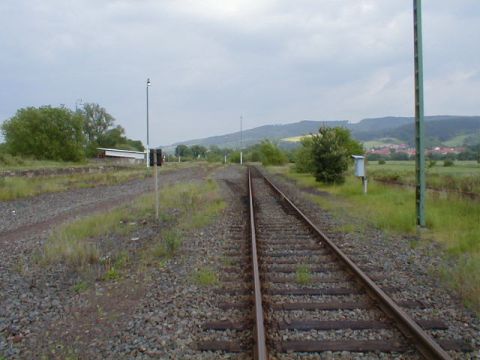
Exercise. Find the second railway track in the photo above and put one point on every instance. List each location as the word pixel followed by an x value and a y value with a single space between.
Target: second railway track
pixel 289 292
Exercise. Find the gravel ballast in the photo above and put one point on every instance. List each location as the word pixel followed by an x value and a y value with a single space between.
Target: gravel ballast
pixel 159 311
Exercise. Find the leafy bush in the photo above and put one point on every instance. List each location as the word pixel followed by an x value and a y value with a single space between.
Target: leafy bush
pixel 332 150
pixel 9 160
pixel 448 163
pixel 234 157
pixel 382 162
pixel 271 154
pixel 304 156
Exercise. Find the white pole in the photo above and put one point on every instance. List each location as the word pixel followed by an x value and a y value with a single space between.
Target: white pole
pixel 148 137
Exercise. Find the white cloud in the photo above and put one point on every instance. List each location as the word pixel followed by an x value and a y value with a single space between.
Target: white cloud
pixel 272 60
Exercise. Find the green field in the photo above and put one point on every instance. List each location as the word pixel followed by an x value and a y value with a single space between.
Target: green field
pixel 452 221
pixel 295 139
pixel 464 176
pixel 380 143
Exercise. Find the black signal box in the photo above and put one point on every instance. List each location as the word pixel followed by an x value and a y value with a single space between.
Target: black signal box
pixel 159 157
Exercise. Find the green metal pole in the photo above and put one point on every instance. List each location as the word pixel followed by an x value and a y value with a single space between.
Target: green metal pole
pixel 419 115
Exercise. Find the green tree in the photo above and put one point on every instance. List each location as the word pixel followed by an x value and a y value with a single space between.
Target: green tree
pixel 215 154
pixel 332 151
pixel 97 121
pixel 183 151
pixel 45 133
pixel 304 156
pixel 99 131
pixel 271 154
pixel 198 151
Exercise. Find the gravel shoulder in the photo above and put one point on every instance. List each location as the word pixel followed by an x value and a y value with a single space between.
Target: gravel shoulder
pixel 154 311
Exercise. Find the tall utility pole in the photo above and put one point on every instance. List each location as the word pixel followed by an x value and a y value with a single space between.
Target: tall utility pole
pixel 419 115
pixel 148 137
pixel 78 102
pixel 241 139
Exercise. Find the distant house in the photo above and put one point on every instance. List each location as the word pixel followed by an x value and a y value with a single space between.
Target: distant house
pixel 442 150
pixel 382 151
pixel 123 156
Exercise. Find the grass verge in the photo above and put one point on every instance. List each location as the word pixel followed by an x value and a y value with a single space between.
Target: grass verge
pixel 12 188
pixel 101 240
pixel 452 221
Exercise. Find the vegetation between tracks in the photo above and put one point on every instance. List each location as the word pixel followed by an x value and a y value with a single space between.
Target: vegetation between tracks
pixel 452 221
pixel 103 242
pixel 303 275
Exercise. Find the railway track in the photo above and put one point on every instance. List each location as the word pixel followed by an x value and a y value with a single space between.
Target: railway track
pixel 289 291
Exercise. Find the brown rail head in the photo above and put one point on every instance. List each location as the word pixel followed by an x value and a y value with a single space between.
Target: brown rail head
pixel 422 341
pixel 260 351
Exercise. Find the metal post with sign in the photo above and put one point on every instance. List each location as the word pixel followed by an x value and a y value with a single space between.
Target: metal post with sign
pixel 420 188
pixel 360 171
pixel 155 170
pixel 155 161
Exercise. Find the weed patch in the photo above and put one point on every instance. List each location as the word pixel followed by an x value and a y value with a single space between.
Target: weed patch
pixel 303 275
pixel 111 274
pixel 205 277
pixel 80 287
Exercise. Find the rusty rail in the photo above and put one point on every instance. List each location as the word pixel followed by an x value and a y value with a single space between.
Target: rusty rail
pixel 424 343
pixel 260 351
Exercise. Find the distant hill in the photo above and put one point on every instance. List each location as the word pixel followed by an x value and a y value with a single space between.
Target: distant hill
pixel 439 130
pixel 255 135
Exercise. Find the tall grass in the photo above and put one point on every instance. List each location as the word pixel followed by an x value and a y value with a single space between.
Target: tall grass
pixel 20 187
pixel 10 162
pixel 452 221
pixel 74 243
pixel 77 243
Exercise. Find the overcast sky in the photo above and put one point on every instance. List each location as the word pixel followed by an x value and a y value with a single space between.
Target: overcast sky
pixel 211 61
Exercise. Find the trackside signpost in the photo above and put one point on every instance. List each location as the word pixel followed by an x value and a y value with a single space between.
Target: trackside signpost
pixel 360 170
pixel 419 115
pixel 155 161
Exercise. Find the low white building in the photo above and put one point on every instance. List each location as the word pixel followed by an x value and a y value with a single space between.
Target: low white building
pixel 122 155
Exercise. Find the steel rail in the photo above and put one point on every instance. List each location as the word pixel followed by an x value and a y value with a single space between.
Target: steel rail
pixel 424 343
pixel 260 352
